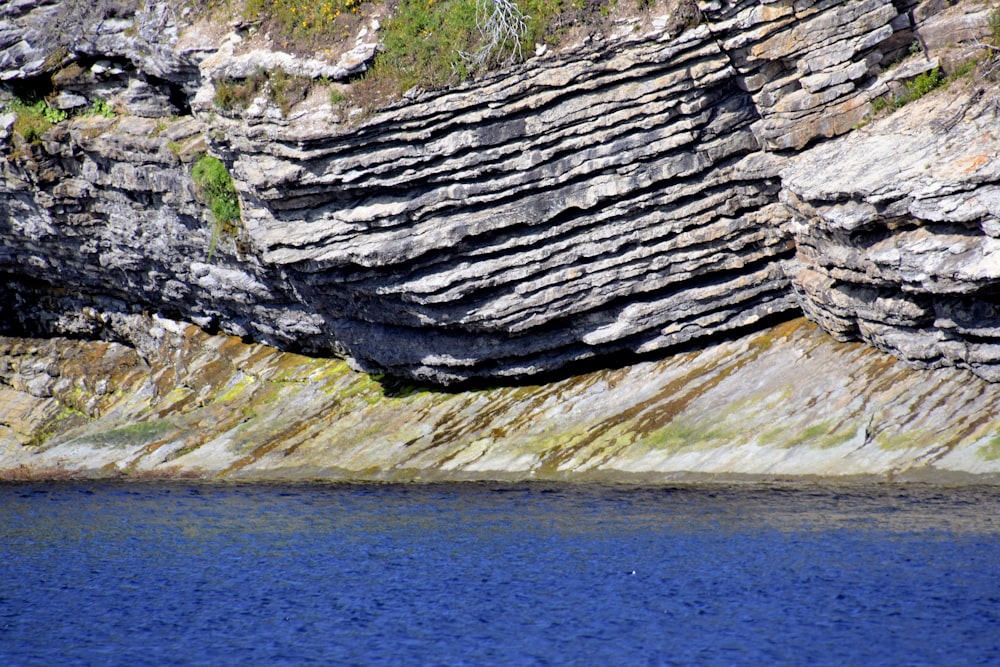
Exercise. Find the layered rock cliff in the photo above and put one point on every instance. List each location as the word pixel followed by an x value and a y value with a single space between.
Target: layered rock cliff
pixel 625 196
pixel 652 192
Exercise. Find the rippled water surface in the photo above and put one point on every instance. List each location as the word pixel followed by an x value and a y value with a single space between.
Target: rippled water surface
pixel 130 574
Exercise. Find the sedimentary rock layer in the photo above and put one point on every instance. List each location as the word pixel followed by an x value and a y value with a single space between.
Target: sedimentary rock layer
pixel 619 198
pixel 897 233
pixel 611 203
pixel 788 402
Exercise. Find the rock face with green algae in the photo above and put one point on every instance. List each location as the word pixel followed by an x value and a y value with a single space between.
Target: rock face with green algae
pixel 785 402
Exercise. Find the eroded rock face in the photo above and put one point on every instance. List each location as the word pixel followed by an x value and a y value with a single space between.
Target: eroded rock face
pixel 897 233
pixel 622 198
pixel 579 208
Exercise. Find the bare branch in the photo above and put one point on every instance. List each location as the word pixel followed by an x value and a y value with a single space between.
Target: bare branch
pixel 502 26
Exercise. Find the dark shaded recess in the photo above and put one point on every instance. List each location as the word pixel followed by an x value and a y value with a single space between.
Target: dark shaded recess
pixel 603 360
pixel 898 44
pixel 11 323
pixel 988 295
pixel 110 9
pixel 887 228
pixel 31 307
pixel 553 345
pixel 175 93
pixel 40 87
pixel 31 89
pixel 978 311
pixel 85 62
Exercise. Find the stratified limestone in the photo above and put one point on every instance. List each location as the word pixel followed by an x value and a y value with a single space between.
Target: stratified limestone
pixel 898 232
pixel 811 66
pixel 611 201
pixel 614 200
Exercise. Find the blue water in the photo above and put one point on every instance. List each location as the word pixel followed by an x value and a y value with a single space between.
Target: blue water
pixel 172 574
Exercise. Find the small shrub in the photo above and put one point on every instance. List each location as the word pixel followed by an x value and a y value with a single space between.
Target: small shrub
pixel 238 93
pixel 215 183
pixel 101 108
pixel 286 90
pixel 337 96
pixel 283 89
pixel 994 19
pixel 924 84
pixel 963 70
pixel 920 86
pixel 55 58
pixel 35 119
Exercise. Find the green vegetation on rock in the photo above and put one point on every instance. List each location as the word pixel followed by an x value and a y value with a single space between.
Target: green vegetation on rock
pixel 991 450
pixel 283 89
pixel 923 84
pixel 434 43
pixel 286 90
pixel 34 118
pixel 101 108
pixel 308 20
pixel 215 183
pixel 238 93
pixel 424 43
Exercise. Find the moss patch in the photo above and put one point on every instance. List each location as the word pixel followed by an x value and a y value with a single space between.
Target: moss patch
pixel 138 434
pixel 991 450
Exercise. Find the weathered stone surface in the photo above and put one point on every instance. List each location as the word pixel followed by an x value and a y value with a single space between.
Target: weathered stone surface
pixel 809 65
pixel 894 232
pixel 783 403
pixel 617 200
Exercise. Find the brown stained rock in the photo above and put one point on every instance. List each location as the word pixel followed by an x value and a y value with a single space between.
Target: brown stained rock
pixel 786 402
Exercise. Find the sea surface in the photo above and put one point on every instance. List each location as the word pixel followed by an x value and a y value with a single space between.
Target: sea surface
pixel 486 574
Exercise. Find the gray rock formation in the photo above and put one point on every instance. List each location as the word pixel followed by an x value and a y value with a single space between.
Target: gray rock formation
pixel 897 233
pixel 621 198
